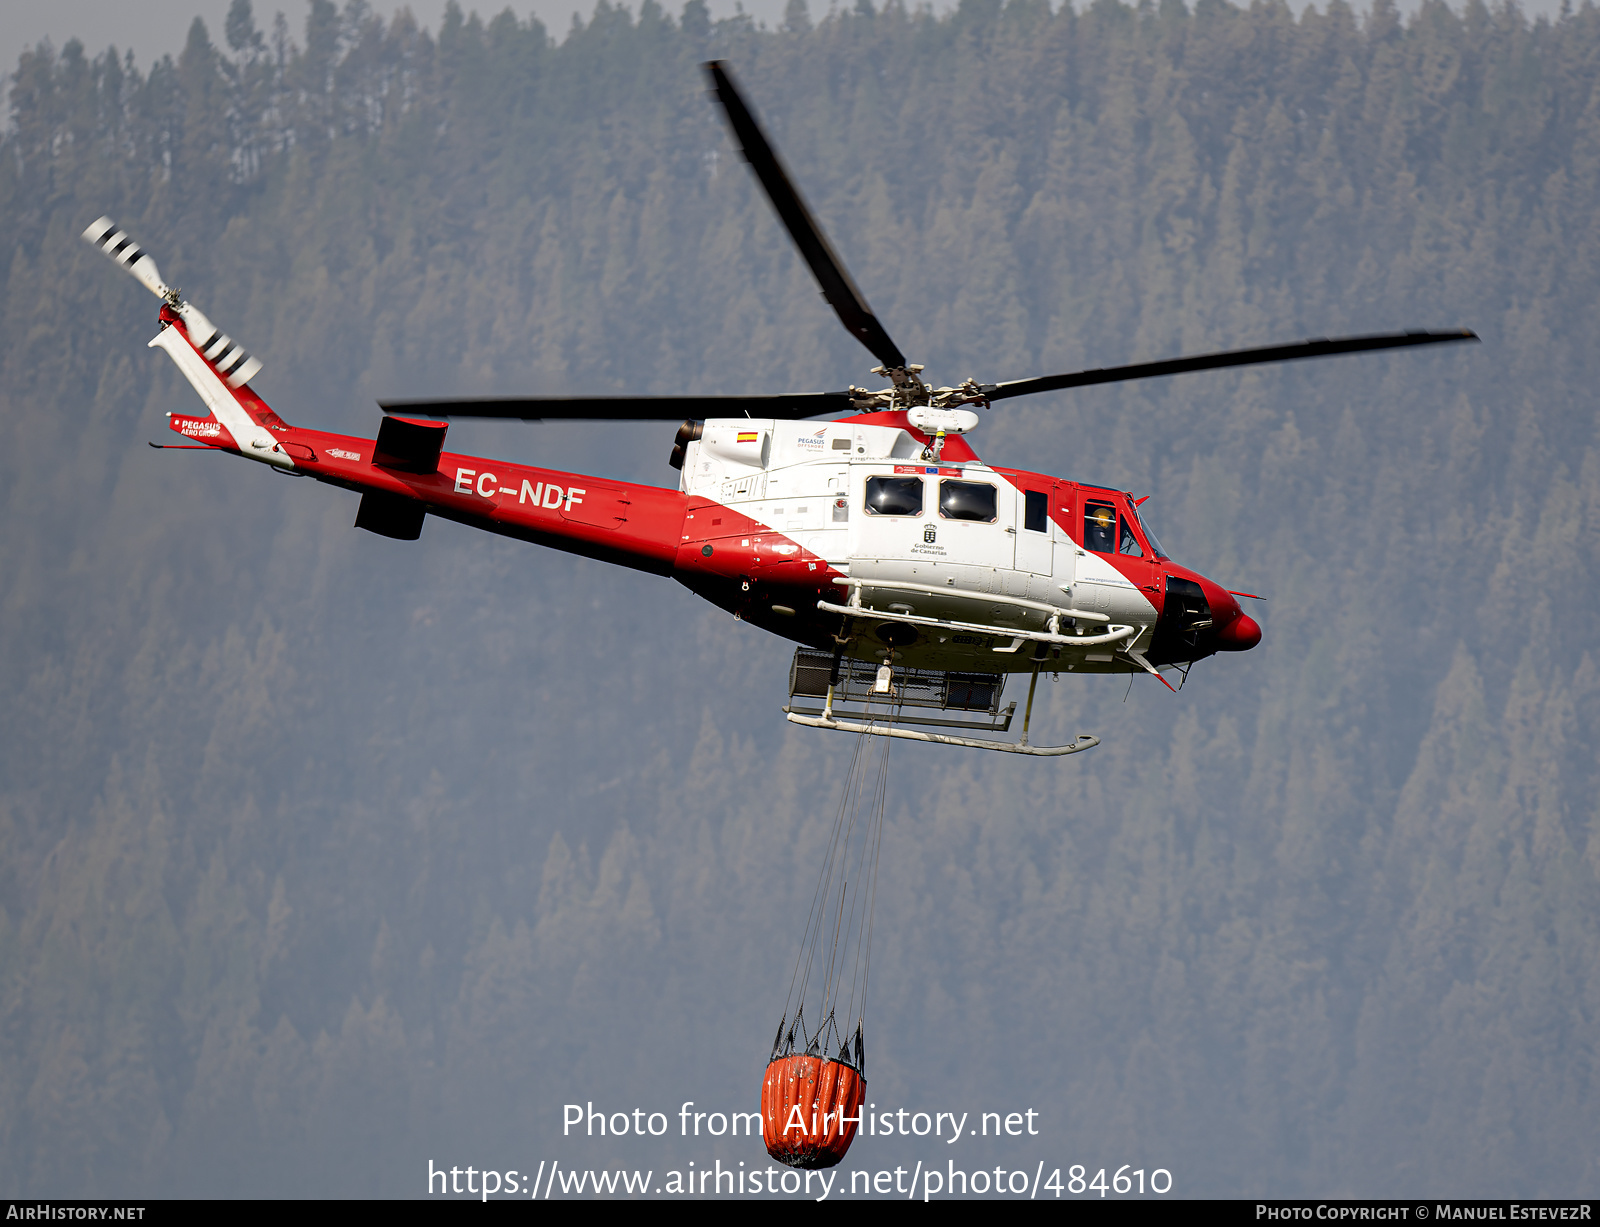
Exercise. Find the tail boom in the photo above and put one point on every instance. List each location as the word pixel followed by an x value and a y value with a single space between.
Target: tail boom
pixel 635 525
pixel 406 475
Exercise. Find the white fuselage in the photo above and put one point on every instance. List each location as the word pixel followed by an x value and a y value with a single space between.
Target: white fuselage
pixel 813 483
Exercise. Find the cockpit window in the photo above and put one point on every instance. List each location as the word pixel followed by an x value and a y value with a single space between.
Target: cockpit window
pixel 967 500
pixel 894 496
pixel 1155 546
pixel 1100 527
pixel 1128 543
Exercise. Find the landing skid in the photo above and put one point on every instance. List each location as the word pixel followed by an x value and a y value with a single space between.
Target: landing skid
pixel 974 697
pixel 885 729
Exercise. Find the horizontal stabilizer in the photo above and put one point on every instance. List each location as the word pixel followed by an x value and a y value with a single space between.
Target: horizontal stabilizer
pixel 409 447
pixel 390 515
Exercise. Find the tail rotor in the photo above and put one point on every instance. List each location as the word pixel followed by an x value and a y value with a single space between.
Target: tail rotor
pixel 229 358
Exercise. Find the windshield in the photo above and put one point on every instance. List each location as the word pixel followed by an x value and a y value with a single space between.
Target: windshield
pixel 1155 545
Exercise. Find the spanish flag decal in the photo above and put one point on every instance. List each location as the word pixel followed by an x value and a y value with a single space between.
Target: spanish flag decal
pixel 749 436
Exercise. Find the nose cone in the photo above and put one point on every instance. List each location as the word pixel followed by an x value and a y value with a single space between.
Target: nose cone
pixel 1240 635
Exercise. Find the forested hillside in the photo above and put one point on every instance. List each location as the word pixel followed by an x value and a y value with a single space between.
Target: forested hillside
pixel 327 855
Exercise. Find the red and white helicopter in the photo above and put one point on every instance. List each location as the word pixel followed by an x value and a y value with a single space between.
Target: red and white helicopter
pixel 914 575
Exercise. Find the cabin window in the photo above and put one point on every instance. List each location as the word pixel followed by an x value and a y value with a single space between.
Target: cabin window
pixel 968 500
pixel 894 496
pixel 1036 511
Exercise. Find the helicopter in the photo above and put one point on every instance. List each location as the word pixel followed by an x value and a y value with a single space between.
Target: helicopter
pixel 915 577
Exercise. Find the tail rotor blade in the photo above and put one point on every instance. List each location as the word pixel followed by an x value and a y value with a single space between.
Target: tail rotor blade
pixel 847 301
pixel 236 367
pixel 105 235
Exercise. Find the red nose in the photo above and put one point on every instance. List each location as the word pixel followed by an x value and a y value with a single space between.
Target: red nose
pixel 1240 635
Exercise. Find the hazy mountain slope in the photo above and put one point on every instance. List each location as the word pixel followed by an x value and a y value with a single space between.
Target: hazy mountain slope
pixel 328 854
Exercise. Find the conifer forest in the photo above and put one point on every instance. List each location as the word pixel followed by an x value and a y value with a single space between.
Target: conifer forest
pixel 328 855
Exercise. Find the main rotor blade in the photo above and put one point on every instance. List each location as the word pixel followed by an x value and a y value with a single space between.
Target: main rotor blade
pixel 837 287
pixel 1322 347
pixel 626 408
